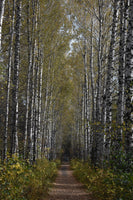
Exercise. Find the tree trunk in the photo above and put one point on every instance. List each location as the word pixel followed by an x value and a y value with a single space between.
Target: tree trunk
pixel 16 79
pixel 121 79
pixel 86 106
pixel 2 7
pixel 28 80
pixel 45 112
pixel 97 134
pixel 109 81
pixel 92 73
pixel 99 80
pixel 40 107
pixel 32 106
pixel 32 86
pixel 9 81
pixel 85 94
pixel 129 86
pixel 36 113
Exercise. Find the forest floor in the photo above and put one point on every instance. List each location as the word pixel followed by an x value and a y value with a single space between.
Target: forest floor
pixel 66 187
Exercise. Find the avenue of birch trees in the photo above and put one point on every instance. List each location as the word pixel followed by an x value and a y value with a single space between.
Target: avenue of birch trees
pixel 66 79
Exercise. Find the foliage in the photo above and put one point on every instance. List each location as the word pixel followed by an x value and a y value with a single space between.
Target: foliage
pixel 20 180
pixel 58 163
pixel 105 184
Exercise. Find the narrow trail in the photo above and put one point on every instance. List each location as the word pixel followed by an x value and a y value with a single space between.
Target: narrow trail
pixel 66 187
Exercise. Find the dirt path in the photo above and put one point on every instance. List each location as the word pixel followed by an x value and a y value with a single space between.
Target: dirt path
pixel 66 187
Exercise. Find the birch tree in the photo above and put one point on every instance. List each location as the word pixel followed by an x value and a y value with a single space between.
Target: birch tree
pixel 2 7
pixel 109 80
pixel 16 78
pixel 99 83
pixel 121 75
pixel 129 86
pixel 9 79
pixel 28 77
pixel 92 72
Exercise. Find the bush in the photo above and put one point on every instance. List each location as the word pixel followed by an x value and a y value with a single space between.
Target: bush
pixel 104 184
pixel 21 181
pixel 58 163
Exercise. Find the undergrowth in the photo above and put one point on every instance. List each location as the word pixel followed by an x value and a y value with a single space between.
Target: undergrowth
pixel 105 184
pixel 21 181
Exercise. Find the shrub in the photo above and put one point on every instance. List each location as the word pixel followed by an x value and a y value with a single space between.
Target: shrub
pixel 21 181
pixel 105 184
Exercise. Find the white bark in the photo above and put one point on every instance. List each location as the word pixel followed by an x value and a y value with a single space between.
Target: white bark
pixel 129 86
pixel 32 107
pixel 45 111
pixel 2 7
pixel 40 109
pixel 28 81
pixel 99 81
pixel 33 79
pixel 9 80
pixel 92 73
pixel 16 78
pixel 35 134
pixel 121 78
pixel 86 113
pixel 109 80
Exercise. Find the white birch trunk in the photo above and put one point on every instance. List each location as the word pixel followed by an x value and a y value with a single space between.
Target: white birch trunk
pixel 40 109
pixel 129 87
pixel 2 7
pixel 33 94
pixel 109 81
pixel 121 79
pixel 32 108
pixel 92 73
pixel 16 78
pixel 28 81
pixel 45 113
pixel 9 80
pixel 99 81
pixel 36 112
